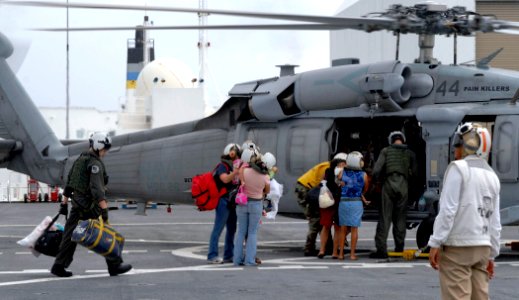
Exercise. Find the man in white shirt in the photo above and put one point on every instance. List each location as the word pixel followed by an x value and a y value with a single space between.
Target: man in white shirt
pixel 466 233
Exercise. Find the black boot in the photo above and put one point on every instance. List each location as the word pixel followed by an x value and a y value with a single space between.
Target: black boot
pixel 378 254
pixel 119 269
pixel 60 271
pixel 313 252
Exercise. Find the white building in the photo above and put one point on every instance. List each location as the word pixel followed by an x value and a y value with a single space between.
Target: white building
pixel 82 121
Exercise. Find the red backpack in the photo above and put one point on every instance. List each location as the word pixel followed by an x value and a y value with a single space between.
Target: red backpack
pixel 205 191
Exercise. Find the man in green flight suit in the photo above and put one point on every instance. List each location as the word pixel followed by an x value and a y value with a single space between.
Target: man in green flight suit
pixel 396 164
pixel 86 187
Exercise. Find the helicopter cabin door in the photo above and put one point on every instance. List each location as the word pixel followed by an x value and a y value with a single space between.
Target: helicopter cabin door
pixel 505 153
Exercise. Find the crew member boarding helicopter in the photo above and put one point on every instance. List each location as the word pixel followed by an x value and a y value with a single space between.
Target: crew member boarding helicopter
pixel 302 118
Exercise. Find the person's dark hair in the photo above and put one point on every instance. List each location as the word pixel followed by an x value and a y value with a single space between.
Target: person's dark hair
pixel 226 157
pixel 260 167
pixel 334 163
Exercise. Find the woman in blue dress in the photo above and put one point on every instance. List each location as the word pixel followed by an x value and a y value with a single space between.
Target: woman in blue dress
pixel 352 202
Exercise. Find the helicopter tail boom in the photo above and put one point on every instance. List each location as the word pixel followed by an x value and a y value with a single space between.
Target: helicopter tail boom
pixel 36 151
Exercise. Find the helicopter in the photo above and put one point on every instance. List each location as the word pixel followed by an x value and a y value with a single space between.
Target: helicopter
pixel 302 118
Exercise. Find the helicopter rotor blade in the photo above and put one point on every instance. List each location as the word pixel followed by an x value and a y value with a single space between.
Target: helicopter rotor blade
pixel 299 26
pixel 502 25
pixel 507 31
pixel 418 19
pixel 375 23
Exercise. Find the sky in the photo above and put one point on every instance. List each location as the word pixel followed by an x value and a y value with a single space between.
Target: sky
pixel 98 59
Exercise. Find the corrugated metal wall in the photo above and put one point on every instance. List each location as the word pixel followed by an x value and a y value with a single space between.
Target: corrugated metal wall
pixel 487 43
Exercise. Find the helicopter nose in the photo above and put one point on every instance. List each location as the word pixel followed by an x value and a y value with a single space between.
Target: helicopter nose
pixel 6 48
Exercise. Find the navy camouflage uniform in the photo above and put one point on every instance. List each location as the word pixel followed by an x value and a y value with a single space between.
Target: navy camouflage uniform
pixel 85 187
pixel 396 163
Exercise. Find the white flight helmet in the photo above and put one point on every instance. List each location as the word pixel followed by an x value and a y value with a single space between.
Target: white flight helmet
pixel 474 138
pixel 341 156
pixel 249 144
pixel 269 159
pixel 393 136
pixel 99 141
pixel 355 161
pixel 230 147
pixel 248 155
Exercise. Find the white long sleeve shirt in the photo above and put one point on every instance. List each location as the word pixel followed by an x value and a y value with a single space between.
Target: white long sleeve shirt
pixel 469 206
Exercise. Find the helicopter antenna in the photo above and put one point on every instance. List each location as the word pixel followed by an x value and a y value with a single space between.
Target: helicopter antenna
pixel 515 97
pixel 483 63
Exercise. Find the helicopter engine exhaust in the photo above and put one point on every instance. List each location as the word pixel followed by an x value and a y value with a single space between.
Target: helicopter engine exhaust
pixel 385 85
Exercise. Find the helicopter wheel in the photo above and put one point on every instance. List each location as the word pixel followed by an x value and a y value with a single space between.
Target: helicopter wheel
pixel 425 229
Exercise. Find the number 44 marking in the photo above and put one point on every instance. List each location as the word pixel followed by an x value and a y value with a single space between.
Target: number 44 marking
pixel 454 88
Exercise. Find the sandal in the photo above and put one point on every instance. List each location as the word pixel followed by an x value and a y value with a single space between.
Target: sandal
pixel 320 255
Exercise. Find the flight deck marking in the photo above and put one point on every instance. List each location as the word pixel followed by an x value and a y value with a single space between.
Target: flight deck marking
pixel 28 271
pixel 105 274
pixel 294 267
pixel 190 252
pixel 134 251
pixel 382 265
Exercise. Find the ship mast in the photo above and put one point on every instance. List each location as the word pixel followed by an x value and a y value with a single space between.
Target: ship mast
pixel 203 45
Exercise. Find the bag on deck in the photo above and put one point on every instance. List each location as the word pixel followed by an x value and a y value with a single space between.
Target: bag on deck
pixel 241 196
pixel 99 237
pixel 205 191
pixel 48 243
pixel 325 197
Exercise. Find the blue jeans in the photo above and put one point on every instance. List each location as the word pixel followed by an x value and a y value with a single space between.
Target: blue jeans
pixel 224 217
pixel 248 223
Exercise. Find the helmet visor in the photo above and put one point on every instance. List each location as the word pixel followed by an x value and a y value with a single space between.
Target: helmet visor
pixel 457 140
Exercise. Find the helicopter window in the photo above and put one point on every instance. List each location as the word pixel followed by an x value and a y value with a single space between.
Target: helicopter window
pixel 304 143
pixel 505 147
pixel 265 137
